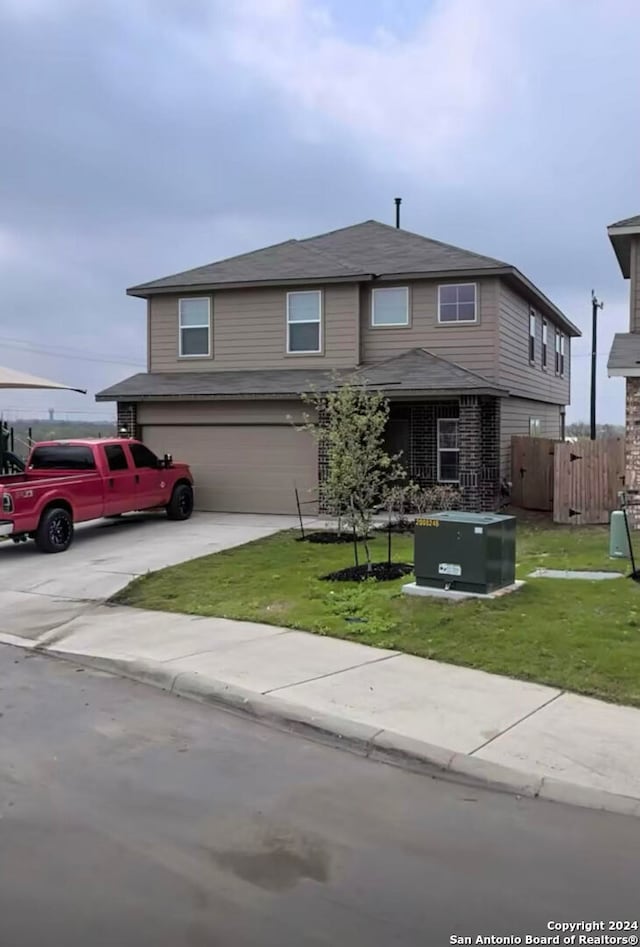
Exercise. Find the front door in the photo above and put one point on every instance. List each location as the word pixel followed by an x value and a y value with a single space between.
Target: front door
pixel 397 439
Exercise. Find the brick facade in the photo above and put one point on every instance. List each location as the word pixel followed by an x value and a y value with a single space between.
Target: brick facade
pixel 490 454
pixel 479 441
pixel 323 460
pixel 632 444
pixel 128 419
pixel 422 459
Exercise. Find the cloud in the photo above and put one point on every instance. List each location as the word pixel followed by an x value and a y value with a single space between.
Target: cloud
pixel 142 138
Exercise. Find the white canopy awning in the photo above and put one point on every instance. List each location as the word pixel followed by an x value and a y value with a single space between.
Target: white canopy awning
pixel 9 378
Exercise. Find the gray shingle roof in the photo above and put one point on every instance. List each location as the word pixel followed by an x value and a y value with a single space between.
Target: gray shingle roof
pixel 419 370
pixel 414 371
pixel 624 357
pixel 378 248
pixel 283 261
pixel 627 222
pixel 365 249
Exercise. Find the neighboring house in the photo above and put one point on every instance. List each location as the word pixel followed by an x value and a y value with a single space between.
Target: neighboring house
pixel 467 349
pixel 624 358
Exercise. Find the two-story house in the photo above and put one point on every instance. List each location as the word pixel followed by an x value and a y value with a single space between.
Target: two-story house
pixel 624 357
pixel 467 349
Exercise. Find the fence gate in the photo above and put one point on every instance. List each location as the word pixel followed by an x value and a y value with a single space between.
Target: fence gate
pixel 586 478
pixel 532 472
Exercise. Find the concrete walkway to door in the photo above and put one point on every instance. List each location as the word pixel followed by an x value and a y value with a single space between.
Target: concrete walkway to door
pixel 42 592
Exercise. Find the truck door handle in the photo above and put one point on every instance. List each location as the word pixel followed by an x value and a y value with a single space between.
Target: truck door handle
pixel 110 481
pixel 137 478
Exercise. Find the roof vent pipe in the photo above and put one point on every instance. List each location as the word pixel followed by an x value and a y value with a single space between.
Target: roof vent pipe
pixel 398 201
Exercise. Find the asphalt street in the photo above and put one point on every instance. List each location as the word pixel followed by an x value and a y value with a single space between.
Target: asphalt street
pixel 132 818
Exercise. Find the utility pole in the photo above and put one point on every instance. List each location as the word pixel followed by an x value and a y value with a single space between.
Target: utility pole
pixel 595 305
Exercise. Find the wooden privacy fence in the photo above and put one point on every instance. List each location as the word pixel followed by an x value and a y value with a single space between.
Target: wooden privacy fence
pixel 578 481
pixel 532 472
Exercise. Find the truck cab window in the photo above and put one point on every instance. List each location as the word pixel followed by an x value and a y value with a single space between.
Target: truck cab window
pixel 62 457
pixel 143 457
pixel 116 457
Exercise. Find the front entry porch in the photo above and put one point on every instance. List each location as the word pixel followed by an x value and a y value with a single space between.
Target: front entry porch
pixel 454 441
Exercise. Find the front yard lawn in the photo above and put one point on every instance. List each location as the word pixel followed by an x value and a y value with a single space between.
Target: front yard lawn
pixel 578 635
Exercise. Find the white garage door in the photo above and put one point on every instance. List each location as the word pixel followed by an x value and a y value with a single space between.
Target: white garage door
pixel 243 468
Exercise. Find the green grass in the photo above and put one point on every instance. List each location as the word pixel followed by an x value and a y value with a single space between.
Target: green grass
pixel 578 635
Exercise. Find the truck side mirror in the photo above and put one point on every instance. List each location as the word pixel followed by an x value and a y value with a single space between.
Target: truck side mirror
pixel 167 460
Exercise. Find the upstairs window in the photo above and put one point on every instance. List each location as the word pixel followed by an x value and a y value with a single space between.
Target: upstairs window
pixel 195 327
pixel 557 350
pixel 448 451
pixel 390 306
pixel 544 343
pixel 562 355
pixel 304 317
pixel 457 302
pixel 532 336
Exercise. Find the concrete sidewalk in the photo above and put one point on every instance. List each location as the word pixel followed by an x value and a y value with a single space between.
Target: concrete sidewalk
pixel 527 738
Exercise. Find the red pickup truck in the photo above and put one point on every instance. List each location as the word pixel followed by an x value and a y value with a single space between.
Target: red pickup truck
pixel 68 482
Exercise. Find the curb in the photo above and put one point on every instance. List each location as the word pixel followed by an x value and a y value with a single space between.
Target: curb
pixel 383 746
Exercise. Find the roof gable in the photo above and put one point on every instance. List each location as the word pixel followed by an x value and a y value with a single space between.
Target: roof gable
pixel 621 235
pixel 363 250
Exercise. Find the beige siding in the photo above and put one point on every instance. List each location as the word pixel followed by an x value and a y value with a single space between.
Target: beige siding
pixel 250 331
pixel 515 371
pixel 515 414
pixel 220 412
pixel 634 321
pixel 471 346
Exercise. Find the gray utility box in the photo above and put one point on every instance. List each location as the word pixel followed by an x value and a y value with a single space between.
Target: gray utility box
pixel 467 552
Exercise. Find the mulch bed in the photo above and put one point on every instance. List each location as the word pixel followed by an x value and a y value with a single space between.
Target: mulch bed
pixel 326 536
pixel 380 571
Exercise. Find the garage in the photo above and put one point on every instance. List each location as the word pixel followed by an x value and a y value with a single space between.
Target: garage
pixel 245 458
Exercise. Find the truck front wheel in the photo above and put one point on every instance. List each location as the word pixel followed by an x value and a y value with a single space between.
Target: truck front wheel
pixel 180 506
pixel 55 532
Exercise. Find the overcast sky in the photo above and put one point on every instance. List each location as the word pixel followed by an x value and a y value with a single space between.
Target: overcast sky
pixel 141 137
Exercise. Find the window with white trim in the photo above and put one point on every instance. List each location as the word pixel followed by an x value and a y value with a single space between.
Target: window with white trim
pixel 532 336
pixel 194 318
pixel 557 351
pixel 562 355
pixel 457 302
pixel 544 343
pixel 390 306
pixel 534 427
pixel 304 322
pixel 448 451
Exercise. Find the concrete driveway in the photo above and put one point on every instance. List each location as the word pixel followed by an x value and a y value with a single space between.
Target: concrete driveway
pixel 41 592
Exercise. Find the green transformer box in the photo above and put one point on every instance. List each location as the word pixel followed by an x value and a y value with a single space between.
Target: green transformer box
pixel 465 552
